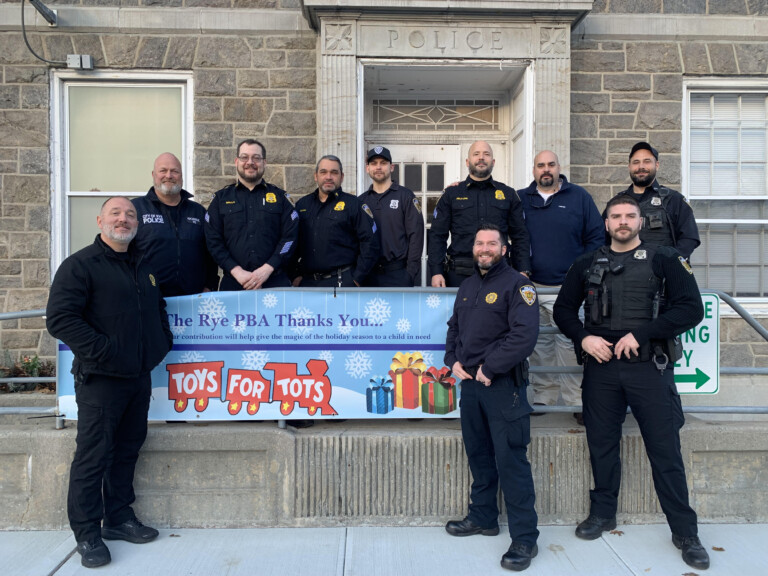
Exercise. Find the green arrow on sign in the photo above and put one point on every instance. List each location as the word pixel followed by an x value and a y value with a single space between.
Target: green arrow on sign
pixel 699 378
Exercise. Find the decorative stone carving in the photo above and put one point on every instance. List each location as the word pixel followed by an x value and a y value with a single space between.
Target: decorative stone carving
pixel 553 41
pixel 339 38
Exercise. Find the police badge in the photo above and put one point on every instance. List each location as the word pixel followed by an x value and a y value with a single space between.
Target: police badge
pixel 640 255
pixel 500 195
pixel 528 293
pixel 394 204
pixel 655 201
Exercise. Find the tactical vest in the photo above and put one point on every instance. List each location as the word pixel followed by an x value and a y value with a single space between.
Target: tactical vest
pixel 657 228
pixel 621 294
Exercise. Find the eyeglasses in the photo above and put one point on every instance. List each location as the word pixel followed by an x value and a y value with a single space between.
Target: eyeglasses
pixel 255 159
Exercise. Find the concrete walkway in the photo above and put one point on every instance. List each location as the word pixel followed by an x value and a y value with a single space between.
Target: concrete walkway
pixel 642 550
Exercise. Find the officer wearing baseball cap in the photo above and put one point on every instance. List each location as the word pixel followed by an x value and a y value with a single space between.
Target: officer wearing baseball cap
pixel 398 216
pixel 667 218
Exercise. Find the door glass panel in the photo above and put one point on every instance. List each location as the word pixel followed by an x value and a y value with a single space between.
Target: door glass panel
pixel 435 177
pixel 413 177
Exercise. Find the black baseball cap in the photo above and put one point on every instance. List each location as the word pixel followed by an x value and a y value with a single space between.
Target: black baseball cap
pixel 644 146
pixel 378 151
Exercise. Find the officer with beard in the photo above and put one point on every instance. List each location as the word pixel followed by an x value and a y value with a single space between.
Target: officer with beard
pixel 171 233
pixel 668 218
pixel 251 226
pixel 492 331
pixel 462 208
pixel 105 304
pixel 637 298
pixel 398 216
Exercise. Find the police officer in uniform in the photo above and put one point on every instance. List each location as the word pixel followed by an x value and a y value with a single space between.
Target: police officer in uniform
pixel 251 226
pixel 462 208
pixel 398 217
pixel 637 299
pixel 338 239
pixel 668 218
pixel 492 331
pixel 171 233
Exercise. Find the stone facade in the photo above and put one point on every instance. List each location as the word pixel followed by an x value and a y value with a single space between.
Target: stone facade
pixel 260 86
pixel 266 84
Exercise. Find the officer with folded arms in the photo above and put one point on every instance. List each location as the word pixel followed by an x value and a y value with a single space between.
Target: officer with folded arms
pixel 637 299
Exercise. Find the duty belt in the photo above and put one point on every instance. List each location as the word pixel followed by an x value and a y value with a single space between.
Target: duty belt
pixel 461 265
pixel 384 267
pixel 330 273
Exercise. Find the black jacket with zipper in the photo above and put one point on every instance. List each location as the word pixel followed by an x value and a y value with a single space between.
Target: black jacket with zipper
pixel 107 307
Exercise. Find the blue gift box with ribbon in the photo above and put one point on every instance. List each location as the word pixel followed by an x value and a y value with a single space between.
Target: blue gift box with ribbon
pixel 380 396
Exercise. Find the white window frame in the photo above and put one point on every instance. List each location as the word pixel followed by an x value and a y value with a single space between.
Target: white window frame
pixel 59 139
pixel 711 85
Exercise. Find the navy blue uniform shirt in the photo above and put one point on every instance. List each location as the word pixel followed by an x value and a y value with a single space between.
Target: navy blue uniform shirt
pixel 249 228
pixel 172 239
pixel 401 226
pixel 336 233
pixel 562 228
pixel 462 208
pixel 495 321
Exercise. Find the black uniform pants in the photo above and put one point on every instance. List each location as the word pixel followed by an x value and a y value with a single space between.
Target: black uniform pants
pixel 606 392
pixel 111 428
pixel 393 279
pixel 496 437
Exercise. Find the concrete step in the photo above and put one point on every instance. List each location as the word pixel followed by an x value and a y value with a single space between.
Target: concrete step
pixel 357 473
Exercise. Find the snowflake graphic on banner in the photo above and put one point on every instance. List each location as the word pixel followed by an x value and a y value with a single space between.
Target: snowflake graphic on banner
pixel 269 300
pixel 254 360
pixel 429 357
pixel 178 330
pixel 238 328
pixel 302 313
pixel 213 307
pixel 403 325
pixel 378 311
pixel 345 329
pixel 358 364
pixel 326 355
pixel 433 300
pixel 191 356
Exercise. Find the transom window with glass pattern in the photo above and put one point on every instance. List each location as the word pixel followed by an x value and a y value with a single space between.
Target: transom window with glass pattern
pixel 444 115
pixel 728 190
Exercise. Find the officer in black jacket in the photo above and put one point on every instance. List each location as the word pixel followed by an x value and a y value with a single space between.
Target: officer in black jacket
pixel 398 217
pixel 493 330
pixel 462 208
pixel 338 240
pixel 668 218
pixel 251 226
pixel 171 234
pixel 106 305
pixel 637 299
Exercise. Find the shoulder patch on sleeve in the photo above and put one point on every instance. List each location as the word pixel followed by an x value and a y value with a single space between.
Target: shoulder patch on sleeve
pixel 685 264
pixel 528 293
pixel 367 210
pixel 417 204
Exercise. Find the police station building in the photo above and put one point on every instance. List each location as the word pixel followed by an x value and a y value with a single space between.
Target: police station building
pixel 114 83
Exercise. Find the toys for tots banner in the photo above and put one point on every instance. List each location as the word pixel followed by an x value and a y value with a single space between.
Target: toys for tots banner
pixel 298 354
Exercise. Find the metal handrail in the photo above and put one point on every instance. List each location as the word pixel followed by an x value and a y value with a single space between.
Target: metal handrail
pixel 735 306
